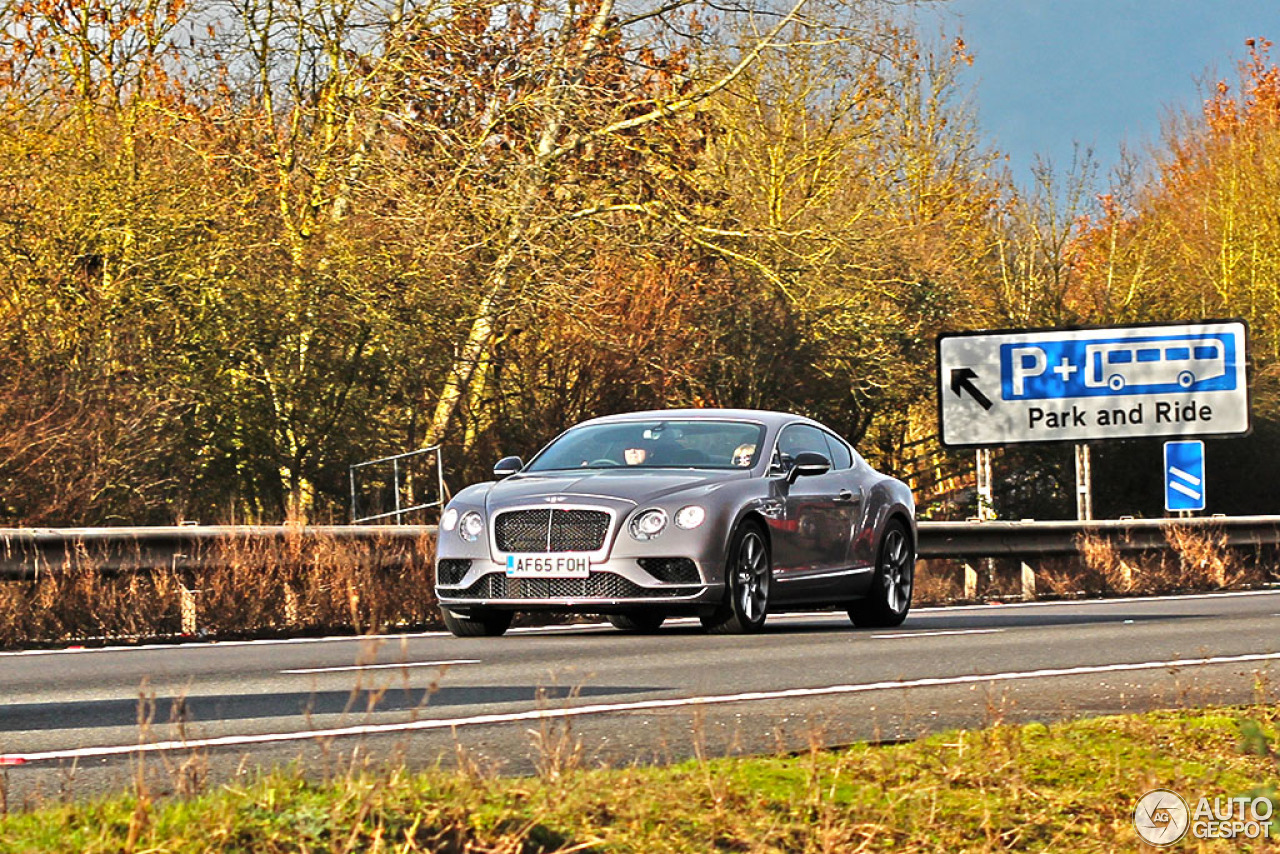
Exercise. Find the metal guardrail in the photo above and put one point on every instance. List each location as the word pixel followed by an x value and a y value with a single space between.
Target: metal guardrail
pixel 25 553
pixel 1027 540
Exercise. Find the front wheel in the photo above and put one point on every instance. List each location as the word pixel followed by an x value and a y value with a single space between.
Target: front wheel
pixel 889 599
pixel 480 624
pixel 749 578
pixel 639 622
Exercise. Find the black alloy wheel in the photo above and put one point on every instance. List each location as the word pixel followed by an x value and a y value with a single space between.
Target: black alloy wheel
pixel 749 578
pixel 889 599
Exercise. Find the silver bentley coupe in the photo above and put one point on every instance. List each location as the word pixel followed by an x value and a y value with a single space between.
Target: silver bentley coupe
pixel 728 515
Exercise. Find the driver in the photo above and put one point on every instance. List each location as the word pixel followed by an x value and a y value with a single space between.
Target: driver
pixel 743 455
pixel 634 456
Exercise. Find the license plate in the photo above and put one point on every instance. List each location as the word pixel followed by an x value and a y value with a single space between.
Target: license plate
pixel 548 566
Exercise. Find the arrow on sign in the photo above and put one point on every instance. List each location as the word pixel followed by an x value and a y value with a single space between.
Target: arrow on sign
pixel 962 381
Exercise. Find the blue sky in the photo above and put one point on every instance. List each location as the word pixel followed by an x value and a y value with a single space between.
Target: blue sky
pixel 1049 73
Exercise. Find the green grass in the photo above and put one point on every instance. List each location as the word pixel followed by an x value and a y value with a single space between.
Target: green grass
pixel 1063 787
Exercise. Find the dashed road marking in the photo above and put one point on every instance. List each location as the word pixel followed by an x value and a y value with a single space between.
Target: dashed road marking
pixel 396 666
pixel 926 633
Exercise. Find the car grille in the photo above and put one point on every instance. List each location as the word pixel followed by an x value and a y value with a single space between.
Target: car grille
pixel 551 530
pixel 598 585
pixel 451 570
pixel 671 570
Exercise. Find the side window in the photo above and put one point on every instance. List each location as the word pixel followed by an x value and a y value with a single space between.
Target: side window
pixel 799 438
pixel 841 457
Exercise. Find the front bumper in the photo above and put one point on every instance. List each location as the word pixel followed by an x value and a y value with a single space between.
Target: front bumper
pixel 616 583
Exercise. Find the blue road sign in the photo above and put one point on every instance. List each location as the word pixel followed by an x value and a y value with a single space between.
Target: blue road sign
pixel 1183 476
pixel 1110 366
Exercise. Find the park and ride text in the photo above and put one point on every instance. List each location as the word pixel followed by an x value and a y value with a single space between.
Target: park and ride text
pixel 1174 411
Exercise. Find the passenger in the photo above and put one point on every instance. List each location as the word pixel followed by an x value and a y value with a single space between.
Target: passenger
pixel 744 455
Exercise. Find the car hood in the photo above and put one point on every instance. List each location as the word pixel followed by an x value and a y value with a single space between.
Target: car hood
pixel 609 486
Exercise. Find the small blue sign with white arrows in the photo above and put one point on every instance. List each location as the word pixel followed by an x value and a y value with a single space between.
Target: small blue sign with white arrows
pixel 1183 476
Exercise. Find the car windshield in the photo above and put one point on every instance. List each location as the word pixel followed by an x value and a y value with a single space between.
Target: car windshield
pixel 701 444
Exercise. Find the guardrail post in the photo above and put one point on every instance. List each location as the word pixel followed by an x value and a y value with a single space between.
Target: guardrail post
pixel 1028 582
pixel 970 581
pixel 187 607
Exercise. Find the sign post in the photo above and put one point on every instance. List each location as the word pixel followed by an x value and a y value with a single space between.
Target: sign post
pixel 1084 483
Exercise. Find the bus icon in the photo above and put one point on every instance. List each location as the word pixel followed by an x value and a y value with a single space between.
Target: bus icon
pixel 1062 367
pixel 1138 364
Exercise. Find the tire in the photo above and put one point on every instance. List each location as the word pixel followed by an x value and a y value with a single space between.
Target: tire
pixel 749 580
pixel 1186 379
pixel 481 624
pixel 1116 382
pixel 889 599
pixel 639 622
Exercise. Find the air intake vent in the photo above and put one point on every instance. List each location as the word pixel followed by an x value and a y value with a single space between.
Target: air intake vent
pixel 671 570
pixel 451 570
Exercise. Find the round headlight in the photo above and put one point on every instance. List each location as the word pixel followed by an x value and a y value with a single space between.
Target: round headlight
pixel 690 517
pixel 449 519
pixel 648 524
pixel 471 526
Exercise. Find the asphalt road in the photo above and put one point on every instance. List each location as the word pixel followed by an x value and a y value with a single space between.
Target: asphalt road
pixel 70 719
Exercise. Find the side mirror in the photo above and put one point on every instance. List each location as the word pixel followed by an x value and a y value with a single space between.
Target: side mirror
pixel 507 466
pixel 808 464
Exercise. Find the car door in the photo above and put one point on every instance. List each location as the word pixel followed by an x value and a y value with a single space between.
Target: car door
pixel 855 480
pixel 811 542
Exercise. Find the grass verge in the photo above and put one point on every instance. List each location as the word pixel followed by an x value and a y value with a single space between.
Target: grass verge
pixel 1068 786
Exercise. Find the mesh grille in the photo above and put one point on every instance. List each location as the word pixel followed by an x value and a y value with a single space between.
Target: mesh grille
pixel 598 585
pixel 451 570
pixel 578 530
pixel 671 570
pixel 551 530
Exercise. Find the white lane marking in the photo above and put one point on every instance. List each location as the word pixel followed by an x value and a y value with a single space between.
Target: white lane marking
pixel 536 630
pixel 614 708
pixel 926 633
pixel 1170 597
pixel 348 668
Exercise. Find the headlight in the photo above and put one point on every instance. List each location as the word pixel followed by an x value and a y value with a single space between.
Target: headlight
pixel 648 524
pixel 449 519
pixel 471 526
pixel 690 517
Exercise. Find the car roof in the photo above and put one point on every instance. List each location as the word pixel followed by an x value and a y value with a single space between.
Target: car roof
pixel 769 419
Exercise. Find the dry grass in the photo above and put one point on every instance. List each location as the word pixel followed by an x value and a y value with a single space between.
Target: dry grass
pixel 1194 561
pixel 301 584
pixel 936 582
